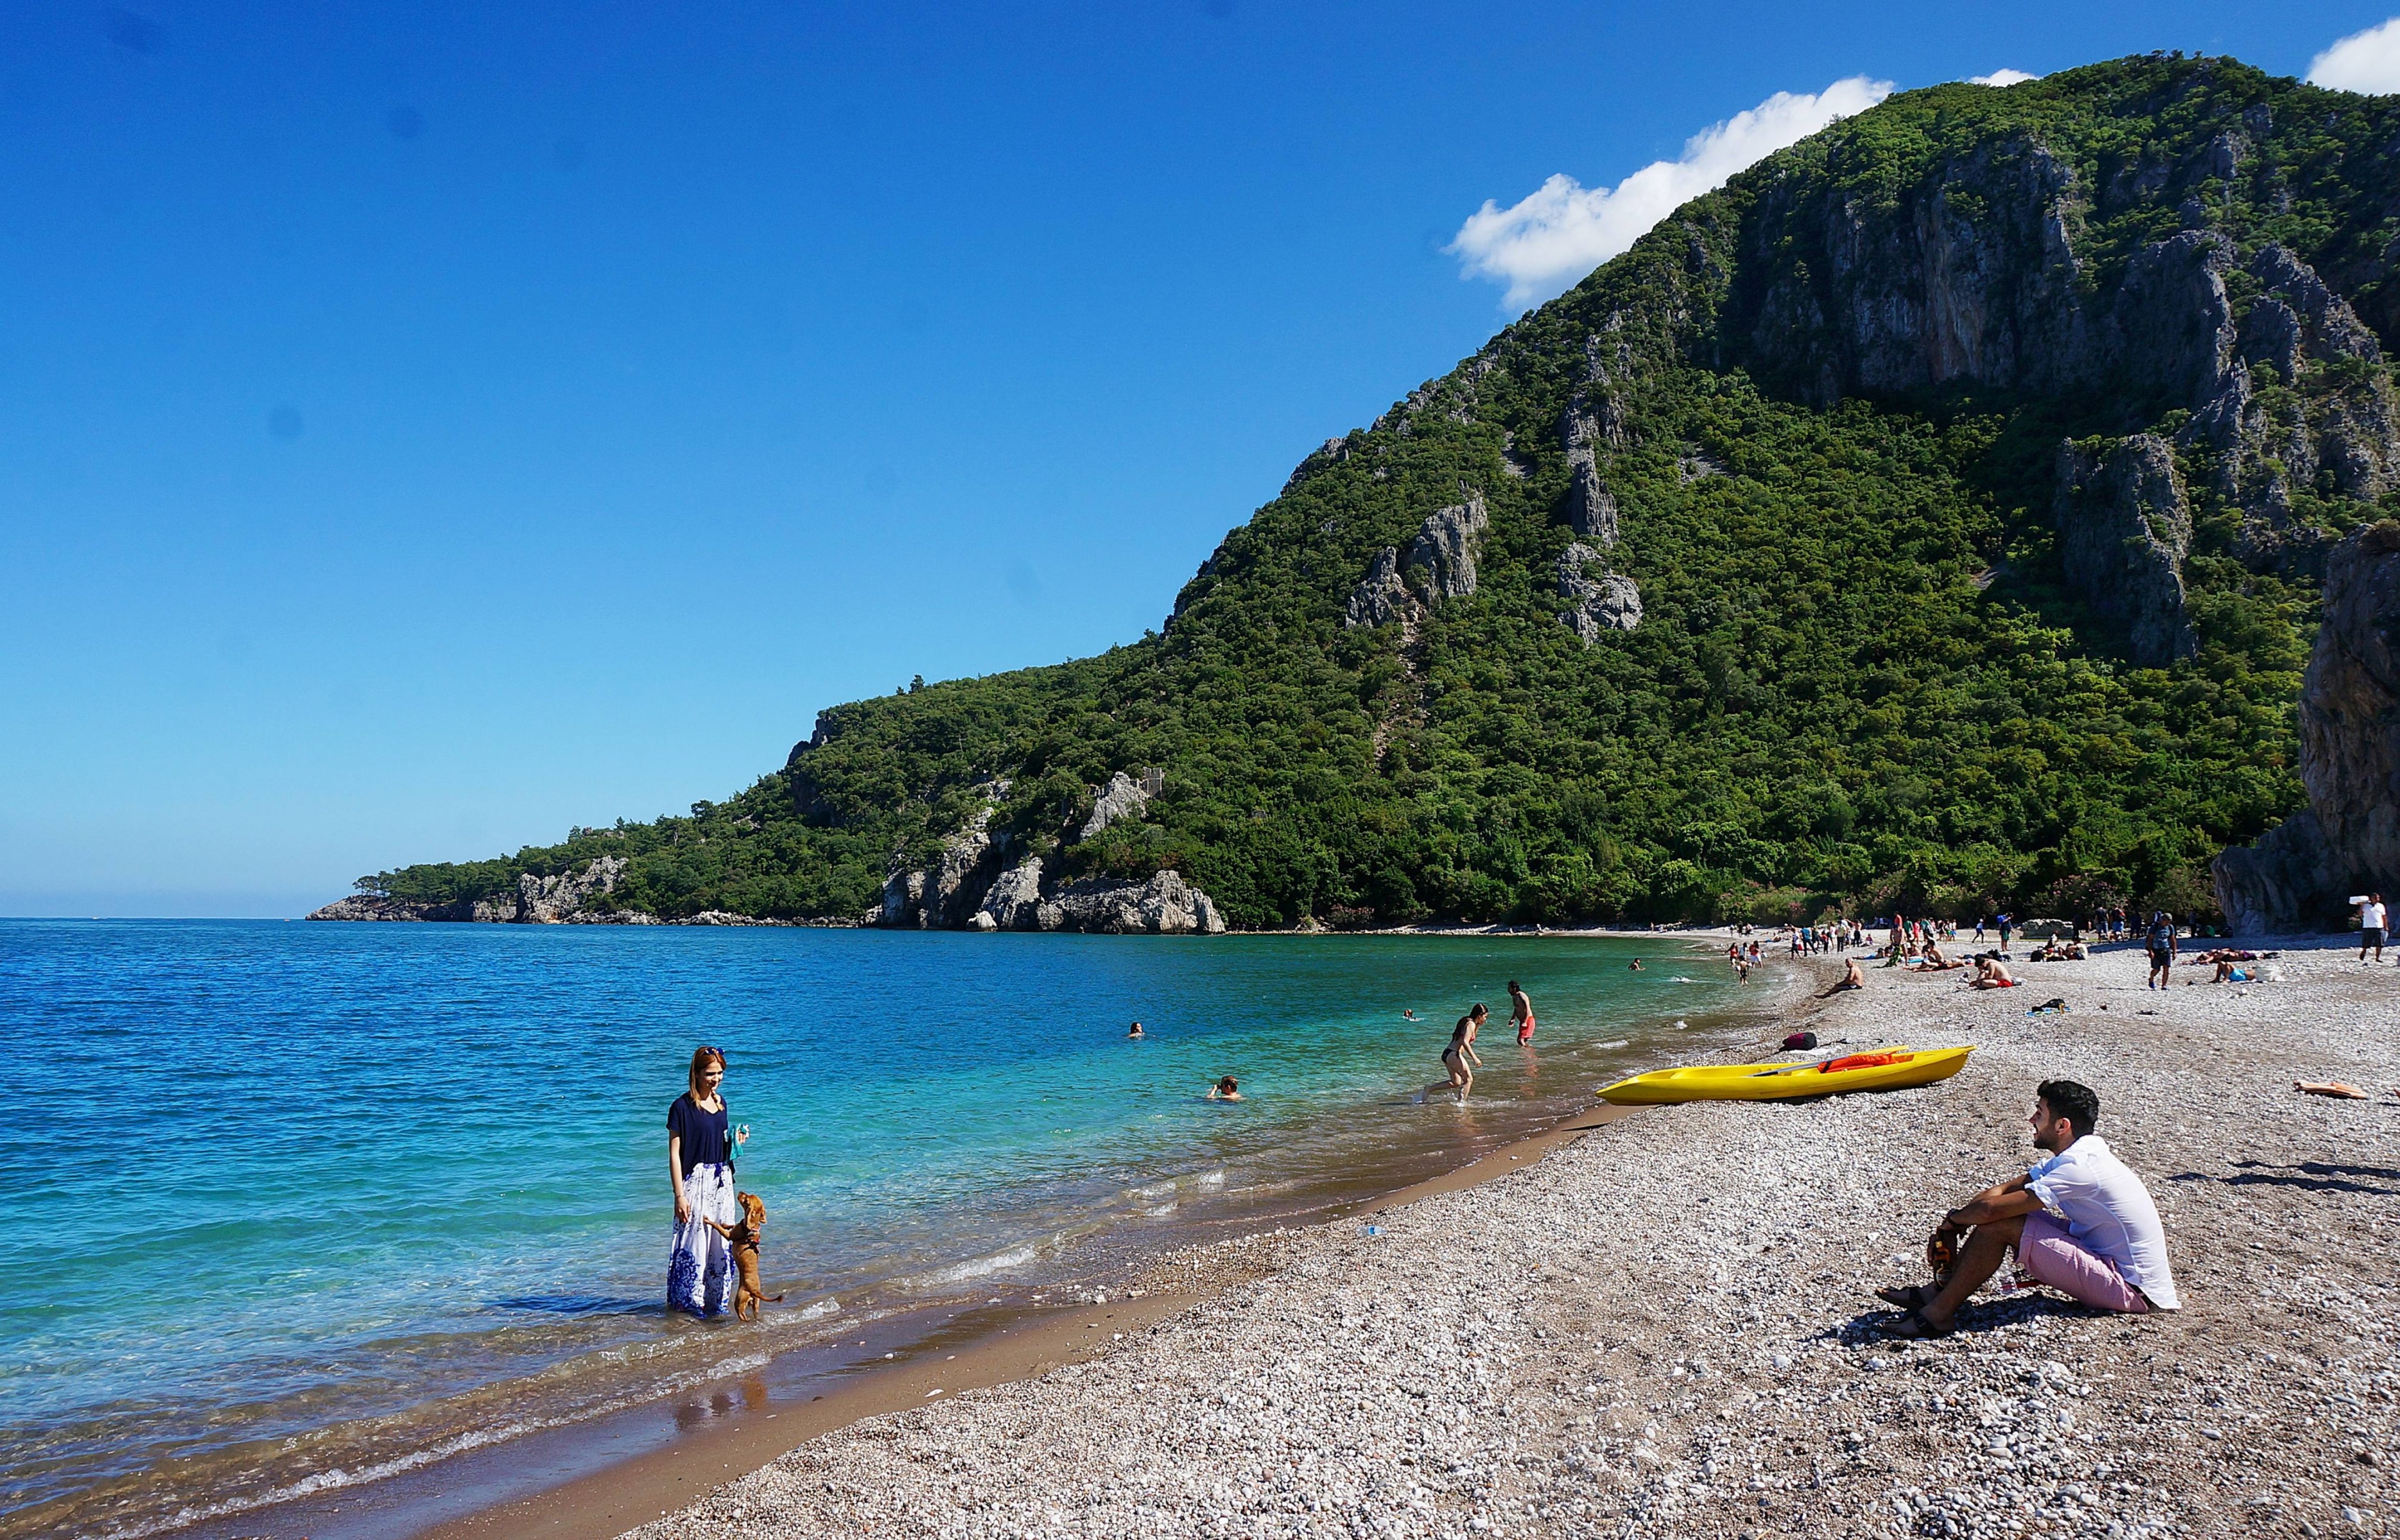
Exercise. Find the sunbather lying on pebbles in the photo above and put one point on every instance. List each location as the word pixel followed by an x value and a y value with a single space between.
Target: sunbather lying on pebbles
pixel 1992 973
pixel 2080 1221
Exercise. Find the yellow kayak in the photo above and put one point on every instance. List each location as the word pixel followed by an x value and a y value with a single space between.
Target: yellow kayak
pixel 1890 1070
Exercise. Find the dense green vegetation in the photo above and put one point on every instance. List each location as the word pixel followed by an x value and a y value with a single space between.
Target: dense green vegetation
pixel 1860 681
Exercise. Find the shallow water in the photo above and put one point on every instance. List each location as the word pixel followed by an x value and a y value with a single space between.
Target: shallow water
pixel 303 1202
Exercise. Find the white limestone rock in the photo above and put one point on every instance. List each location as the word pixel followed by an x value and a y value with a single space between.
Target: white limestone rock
pixel 1602 601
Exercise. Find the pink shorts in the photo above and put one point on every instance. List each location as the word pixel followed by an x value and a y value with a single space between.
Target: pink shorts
pixel 2048 1254
pixel 1525 1030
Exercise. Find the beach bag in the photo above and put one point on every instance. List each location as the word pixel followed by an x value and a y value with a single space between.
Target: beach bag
pixel 1801 1039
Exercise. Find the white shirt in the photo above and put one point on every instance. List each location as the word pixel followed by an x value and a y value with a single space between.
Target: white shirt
pixel 2371 916
pixel 2109 1213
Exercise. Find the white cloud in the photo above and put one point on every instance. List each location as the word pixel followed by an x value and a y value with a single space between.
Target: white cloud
pixel 2367 61
pixel 1545 243
pixel 2001 78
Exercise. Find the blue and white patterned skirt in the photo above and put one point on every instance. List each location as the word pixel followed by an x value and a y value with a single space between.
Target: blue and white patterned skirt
pixel 699 1268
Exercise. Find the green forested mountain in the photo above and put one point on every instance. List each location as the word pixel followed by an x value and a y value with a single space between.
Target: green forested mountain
pixel 1969 468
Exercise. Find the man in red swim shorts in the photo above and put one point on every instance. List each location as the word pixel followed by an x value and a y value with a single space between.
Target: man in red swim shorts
pixel 2080 1221
pixel 1520 1013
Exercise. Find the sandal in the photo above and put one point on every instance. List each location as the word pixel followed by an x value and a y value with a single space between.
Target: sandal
pixel 1915 1327
pixel 1907 1296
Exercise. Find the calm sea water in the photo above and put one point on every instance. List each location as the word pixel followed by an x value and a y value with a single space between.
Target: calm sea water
pixel 297 1205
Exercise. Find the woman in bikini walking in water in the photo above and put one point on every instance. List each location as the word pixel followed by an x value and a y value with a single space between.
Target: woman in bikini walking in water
pixel 1460 1054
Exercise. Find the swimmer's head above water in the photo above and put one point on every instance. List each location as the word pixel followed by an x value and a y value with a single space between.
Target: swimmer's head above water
pixel 1133 1030
pixel 1226 1089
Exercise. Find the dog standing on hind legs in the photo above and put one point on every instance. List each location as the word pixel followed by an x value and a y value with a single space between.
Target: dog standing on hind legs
pixel 743 1240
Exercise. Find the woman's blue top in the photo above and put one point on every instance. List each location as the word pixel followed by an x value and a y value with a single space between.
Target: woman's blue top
pixel 705 1141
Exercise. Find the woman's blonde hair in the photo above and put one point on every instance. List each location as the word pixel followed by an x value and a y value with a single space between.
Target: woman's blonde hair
pixel 701 1058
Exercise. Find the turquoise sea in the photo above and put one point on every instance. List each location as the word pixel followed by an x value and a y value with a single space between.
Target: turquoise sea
pixel 298 1206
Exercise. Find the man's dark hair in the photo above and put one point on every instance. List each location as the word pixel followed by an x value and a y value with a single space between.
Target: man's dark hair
pixel 2077 1104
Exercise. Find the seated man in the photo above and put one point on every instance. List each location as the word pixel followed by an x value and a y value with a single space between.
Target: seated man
pixel 2080 1221
pixel 1992 973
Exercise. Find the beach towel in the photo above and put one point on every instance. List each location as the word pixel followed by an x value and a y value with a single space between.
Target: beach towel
pixel 700 1265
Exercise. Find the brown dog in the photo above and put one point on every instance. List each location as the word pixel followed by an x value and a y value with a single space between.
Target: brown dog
pixel 744 1240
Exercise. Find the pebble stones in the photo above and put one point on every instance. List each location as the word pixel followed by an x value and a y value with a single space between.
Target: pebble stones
pixel 1581 1348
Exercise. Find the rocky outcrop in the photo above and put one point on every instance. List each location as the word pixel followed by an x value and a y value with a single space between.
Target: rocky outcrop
pixel 1381 597
pixel 2348 841
pixel 2299 315
pixel 569 898
pixel 974 885
pixel 2124 530
pixel 943 895
pixel 1122 798
pixel 2173 323
pixel 1600 601
pixel 564 898
pixel 2281 885
pixel 1446 546
pixel 1014 902
pixel 1164 906
pixel 1439 564
pixel 368 906
pixel 1974 277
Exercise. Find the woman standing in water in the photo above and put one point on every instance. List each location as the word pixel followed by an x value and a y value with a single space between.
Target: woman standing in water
pixel 701 1150
pixel 1460 1054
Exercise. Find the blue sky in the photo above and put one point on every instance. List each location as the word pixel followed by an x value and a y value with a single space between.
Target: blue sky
pixel 424 428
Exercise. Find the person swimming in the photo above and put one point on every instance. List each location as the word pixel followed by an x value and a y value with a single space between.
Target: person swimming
pixel 1634 966
pixel 1133 1030
pixel 1226 1089
pixel 1410 1015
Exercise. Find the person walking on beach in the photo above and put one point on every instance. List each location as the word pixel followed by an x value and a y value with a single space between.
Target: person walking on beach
pixel 1520 1013
pixel 1459 1057
pixel 701 1150
pixel 2370 928
pixel 2161 940
pixel 2080 1221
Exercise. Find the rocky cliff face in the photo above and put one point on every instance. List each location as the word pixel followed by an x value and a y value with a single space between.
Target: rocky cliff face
pixel 1977 277
pixel 2298 877
pixel 1439 564
pixel 1164 906
pixel 569 898
pixel 2124 531
pixel 975 885
pixel 1600 601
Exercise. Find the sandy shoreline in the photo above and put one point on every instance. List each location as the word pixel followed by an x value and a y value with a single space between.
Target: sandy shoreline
pixel 1665 1327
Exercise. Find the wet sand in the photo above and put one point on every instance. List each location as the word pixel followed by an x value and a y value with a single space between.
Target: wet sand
pixel 1666 1325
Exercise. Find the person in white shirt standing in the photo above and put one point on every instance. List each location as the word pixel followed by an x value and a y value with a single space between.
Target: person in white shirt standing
pixel 2370 927
pixel 2080 1221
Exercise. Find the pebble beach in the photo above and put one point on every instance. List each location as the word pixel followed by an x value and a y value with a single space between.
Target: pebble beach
pixel 1667 1325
